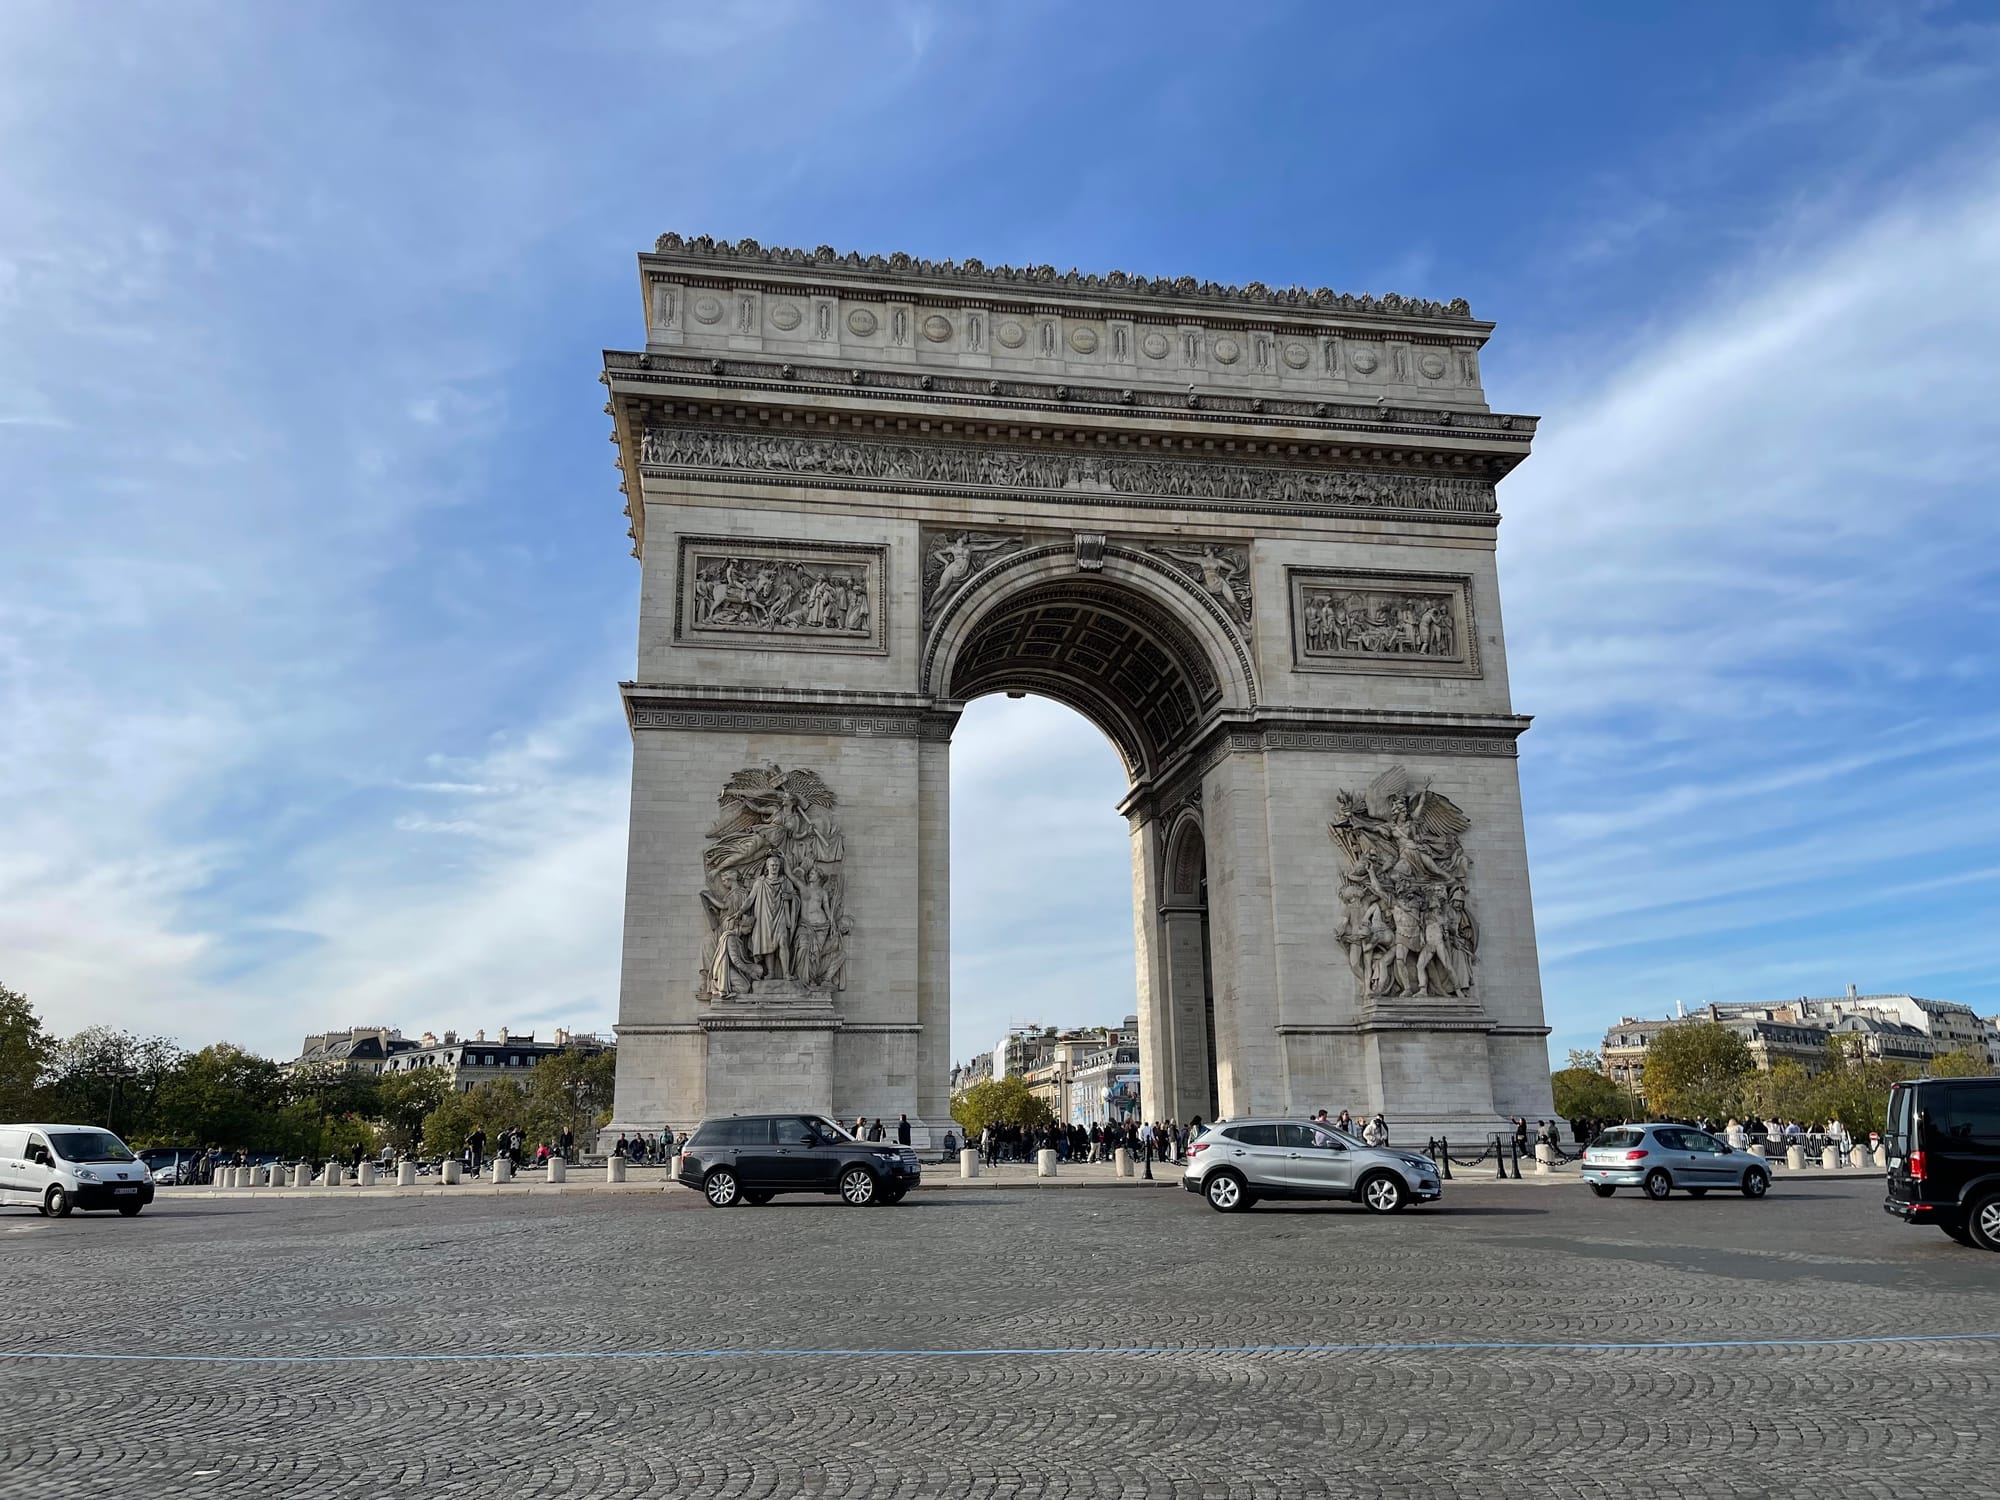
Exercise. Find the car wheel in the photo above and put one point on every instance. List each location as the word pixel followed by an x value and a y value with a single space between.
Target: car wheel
pixel 1958 1232
pixel 1658 1185
pixel 722 1188
pixel 130 1210
pixel 1755 1184
pixel 1603 1189
pixel 1226 1192
pixel 55 1203
pixel 1697 1192
pixel 1982 1222
pixel 758 1200
pixel 1383 1193
pixel 858 1188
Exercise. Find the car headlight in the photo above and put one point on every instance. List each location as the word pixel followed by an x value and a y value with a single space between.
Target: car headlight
pixel 1422 1164
pixel 84 1174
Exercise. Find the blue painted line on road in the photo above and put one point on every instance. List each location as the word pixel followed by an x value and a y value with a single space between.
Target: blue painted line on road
pixel 1054 1352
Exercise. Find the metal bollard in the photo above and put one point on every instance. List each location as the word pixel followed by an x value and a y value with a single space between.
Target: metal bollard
pixel 1499 1159
pixel 1443 1158
pixel 968 1162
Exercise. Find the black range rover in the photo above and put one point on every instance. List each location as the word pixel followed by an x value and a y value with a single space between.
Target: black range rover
pixel 753 1158
pixel 1944 1157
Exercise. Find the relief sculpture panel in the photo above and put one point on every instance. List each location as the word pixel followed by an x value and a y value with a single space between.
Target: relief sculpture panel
pixel 1406 918
pixel 774 890
pixel 1414 624
pixel 780 595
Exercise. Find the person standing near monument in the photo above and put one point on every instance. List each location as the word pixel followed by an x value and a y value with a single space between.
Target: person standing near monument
pixel 903 1131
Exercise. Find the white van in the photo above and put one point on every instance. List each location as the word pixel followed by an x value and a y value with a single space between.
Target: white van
pixel 56 1168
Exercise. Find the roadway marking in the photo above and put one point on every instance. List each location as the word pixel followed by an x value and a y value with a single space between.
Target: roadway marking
pixel 1053 1352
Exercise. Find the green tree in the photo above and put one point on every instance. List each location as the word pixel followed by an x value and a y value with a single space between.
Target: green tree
pixel 104 1076
pixel 1586 1094
pixel 1000 1101
pixel 24 1057
pixel 406 1100
pixel 1853 1087
pixel 1965 1062
pixel 1697 1069
pixel 1578 1058
pixel 334 1090
pixel 220 1096
pixel 492 1107
pixel 571 1089
pixel 1784 1093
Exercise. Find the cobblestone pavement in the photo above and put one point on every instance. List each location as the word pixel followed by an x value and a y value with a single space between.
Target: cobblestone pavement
pixel 1135 1322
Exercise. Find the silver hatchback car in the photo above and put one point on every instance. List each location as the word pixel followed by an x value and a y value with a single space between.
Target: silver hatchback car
pixel 1233 1163
pixel 1656 1159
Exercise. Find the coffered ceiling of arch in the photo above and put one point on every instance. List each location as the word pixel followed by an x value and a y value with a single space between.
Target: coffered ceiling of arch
pixel 1107 653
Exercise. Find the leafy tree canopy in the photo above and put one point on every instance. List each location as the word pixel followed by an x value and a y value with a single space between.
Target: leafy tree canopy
pixel 1697 1069
pixel 24 1057
pixel 1000 1101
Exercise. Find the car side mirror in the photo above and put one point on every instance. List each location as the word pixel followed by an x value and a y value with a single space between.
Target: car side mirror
pixel 808 1140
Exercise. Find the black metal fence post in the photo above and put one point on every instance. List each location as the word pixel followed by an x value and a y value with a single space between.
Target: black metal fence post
pixel 1444 1158
pixel 1499 1159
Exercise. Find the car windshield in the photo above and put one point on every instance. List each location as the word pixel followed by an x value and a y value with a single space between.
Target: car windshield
pixel 88 1145
pixel 1617 1140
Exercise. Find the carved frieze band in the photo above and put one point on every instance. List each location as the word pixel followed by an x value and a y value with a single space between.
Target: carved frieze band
pixel 1360 620
pixel 781 595
pixel 796 458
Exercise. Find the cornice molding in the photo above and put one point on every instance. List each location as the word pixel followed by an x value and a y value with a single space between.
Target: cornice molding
pixel 1333 421
pixel 787 711
pixel 1046 280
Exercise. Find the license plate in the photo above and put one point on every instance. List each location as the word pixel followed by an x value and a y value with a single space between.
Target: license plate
pixel 124 1190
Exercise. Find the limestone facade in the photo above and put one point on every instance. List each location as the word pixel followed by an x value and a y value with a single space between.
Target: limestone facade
pixel 1250 534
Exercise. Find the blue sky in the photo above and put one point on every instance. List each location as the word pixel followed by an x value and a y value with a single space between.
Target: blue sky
pixel 313 583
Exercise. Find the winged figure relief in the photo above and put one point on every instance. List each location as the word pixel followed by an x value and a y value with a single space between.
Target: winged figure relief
pixel 953 558
pixel 773 892
pixel 1406 921
pixel 1220 574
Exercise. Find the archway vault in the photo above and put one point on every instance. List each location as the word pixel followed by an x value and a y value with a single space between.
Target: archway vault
pixel 1147 660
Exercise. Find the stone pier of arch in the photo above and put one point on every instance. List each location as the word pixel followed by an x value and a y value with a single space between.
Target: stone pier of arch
pixel 1248 534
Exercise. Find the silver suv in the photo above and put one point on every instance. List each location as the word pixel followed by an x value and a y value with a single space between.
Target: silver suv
pixel 1233 1163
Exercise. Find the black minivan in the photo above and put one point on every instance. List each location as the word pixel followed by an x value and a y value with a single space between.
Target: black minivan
pixel 752 1158
pixel 1944 1157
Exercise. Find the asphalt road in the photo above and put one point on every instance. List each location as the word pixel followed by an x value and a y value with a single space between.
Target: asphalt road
pixel 1002 1343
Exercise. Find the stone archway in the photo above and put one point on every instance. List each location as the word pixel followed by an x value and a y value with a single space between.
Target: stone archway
pixel 1248 534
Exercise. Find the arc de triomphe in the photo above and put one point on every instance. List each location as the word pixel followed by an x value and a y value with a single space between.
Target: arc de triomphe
pixel 1248 533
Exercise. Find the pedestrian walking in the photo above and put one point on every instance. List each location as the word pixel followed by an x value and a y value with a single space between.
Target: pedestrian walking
pixel 903 1131
pixel 1376 1132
